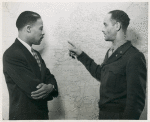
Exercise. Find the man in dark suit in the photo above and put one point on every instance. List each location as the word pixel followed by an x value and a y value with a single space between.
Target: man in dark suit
pixel 29 81
pixel 122 74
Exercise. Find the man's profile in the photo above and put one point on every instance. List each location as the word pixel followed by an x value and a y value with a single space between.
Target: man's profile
pixel 122 74
pixel 29 81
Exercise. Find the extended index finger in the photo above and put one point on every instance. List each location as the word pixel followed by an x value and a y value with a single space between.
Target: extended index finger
pixel 71 44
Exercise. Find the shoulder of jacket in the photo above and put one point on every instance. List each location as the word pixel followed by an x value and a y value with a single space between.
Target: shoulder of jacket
pixel 136 55
pixel 12 52
pixel 134 51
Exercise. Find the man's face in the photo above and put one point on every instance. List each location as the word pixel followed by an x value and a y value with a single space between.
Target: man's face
pixel 37 33
pixel 109 29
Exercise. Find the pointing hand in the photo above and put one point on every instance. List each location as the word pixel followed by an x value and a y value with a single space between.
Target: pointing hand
pixel 74 50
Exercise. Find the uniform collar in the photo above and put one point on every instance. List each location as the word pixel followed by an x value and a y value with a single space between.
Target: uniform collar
pixel 117 54
pixel 117 46
pixel 123 48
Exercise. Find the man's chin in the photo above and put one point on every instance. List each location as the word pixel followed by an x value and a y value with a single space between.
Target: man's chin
pixel 38 43
pixel 107 40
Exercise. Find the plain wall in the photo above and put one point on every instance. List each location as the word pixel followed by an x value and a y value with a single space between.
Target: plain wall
pixel 80 23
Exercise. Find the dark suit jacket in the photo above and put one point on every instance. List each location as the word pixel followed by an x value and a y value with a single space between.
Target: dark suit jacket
pixel 123 80
pixel 22 75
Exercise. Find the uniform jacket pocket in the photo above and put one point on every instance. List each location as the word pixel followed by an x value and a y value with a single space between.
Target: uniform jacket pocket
pixel 116 79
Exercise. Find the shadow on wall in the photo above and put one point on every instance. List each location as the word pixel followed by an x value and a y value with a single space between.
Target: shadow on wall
pixel 133 36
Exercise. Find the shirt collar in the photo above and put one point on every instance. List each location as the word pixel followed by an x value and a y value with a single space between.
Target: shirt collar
pixel 25 44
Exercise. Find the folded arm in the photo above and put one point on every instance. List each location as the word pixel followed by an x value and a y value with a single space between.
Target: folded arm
pixel 49 89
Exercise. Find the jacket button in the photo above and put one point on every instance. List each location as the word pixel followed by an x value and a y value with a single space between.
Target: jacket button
pixel 121 52
pixel 116 55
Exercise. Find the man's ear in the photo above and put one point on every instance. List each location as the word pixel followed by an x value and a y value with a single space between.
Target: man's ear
pixel 28 28
pixel 118 26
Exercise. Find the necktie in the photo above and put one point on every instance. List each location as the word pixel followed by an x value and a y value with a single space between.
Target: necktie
pixel 36 57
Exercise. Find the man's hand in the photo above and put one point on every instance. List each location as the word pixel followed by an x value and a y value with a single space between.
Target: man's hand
pixel 42 92
pixel 74 51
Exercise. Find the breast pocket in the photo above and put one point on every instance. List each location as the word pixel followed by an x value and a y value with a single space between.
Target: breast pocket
pixel 116 79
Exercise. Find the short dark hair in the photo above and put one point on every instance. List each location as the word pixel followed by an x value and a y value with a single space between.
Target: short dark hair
pixel 120 16
pixel 26 17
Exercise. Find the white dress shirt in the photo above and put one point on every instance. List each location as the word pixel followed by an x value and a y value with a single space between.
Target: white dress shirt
pixel 25 44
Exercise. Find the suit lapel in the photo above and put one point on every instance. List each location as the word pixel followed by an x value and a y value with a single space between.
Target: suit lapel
pixel 30 59
pixel 117 54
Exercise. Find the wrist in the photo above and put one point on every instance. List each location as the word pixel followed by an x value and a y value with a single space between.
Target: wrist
pixel 79 53
pixel 50 86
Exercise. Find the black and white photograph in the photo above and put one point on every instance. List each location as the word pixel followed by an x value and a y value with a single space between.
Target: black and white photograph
pixel 74 60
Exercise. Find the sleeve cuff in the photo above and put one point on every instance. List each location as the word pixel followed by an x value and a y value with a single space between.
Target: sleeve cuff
pixel 83 58
pixel 80 56
pixel 54 88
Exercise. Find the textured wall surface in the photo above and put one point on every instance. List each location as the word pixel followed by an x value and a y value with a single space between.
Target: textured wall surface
pixel 81 23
